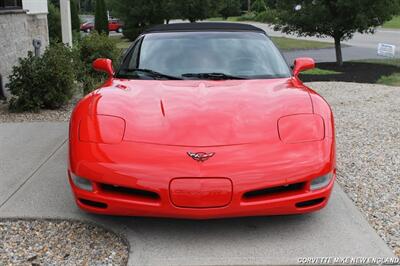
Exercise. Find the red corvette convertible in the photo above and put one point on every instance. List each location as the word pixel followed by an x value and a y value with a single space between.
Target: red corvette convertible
pixel 200 121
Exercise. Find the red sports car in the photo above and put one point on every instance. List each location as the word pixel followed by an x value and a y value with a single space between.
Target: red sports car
pixel 202 120
pixel 113 25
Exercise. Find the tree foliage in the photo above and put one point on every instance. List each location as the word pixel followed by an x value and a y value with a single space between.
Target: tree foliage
pixel 338 19
pixel 139 14
pixel 54 22
pixel 194 10
pixel 258 6
pixel 75 21
pixel 230 8
pixel 101 18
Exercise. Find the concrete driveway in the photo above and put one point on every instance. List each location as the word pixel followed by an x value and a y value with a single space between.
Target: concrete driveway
pixel 33 184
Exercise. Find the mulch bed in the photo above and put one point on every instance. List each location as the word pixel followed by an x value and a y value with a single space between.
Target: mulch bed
pixel 353 72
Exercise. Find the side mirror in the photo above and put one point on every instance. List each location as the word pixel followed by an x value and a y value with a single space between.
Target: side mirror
pixel 303 64
pixel 104 65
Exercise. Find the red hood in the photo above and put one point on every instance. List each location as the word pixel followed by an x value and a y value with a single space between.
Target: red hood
pixel 201 113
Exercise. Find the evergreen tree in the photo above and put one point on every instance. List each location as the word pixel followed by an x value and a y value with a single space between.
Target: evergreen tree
pixel 101 19
pixel 194 10
pixel 230 8
pixel 54 22
pixel 75 21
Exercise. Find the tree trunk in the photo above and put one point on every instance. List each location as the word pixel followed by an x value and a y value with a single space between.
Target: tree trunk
pixel 249 5
pixel 338 48
pixel 2 96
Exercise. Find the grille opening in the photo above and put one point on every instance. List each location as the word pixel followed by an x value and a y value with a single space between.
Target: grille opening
pixel 309 203
pixel 94 204
pixel 273 191
pixel 130 191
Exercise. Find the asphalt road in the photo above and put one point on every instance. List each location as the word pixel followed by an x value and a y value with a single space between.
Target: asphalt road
pixel 33 184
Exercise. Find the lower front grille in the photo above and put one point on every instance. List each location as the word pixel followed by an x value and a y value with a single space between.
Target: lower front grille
pixel 273 191
pixel 139 193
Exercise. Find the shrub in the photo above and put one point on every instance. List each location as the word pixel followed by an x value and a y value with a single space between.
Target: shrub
pixel 267 16
pixel 90 48
pixel 248 16
pixel 45 82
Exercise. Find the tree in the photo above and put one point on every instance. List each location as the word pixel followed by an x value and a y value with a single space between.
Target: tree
pixel 139 15
pixel 171 10
pixel 194 10
pixel 259 6
pixel 75 21
pixel 101 18
pixel 339 19
pixel 54 22
pixel 230 8
pixel 86 6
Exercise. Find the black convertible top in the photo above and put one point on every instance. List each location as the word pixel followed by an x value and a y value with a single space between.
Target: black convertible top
pixel 204 26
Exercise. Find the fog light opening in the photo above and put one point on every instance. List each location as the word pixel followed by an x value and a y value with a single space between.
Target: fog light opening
pixel 309 203
pixel 94 204
pixel 82 183
pixel 321 182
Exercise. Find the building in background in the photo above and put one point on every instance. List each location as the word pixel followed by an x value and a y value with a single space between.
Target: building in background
pixel 21 21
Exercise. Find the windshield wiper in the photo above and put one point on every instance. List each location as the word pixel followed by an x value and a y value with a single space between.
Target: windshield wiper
pixel 152 73
pixel 213 76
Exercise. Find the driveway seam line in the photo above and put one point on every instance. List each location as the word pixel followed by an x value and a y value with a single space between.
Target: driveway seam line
pixel 33 173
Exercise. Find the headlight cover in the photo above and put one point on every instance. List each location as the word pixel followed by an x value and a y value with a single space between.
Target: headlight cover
pixel 301 128
pixel 102 129
pixel 321 182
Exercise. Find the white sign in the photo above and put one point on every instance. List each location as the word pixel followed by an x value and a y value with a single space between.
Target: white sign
pixel 386 50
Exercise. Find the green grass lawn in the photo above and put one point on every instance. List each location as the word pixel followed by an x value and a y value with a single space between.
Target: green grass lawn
pixel 393 24
pixel 220 19
pixel 286 44
pixel 318 71
pixel 122 43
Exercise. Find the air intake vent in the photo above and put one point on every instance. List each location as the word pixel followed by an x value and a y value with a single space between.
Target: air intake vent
pixel 130 191
pixel 273 191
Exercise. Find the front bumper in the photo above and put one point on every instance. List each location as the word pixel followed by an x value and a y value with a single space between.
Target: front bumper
pixel 139 183
pixel 101 202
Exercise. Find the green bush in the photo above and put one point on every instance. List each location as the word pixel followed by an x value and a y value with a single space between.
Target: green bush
pixel 267 16
pixel 248 16
pixel 90 48
pixel 45 82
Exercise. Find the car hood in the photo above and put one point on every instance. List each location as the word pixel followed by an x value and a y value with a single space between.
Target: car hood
pixel 201 113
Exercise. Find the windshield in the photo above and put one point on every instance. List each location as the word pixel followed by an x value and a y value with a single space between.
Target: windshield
pixel 202 55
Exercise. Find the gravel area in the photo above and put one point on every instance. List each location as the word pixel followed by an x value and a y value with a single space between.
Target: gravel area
pixel 61 115
pixel 43 242
pixel 368 149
